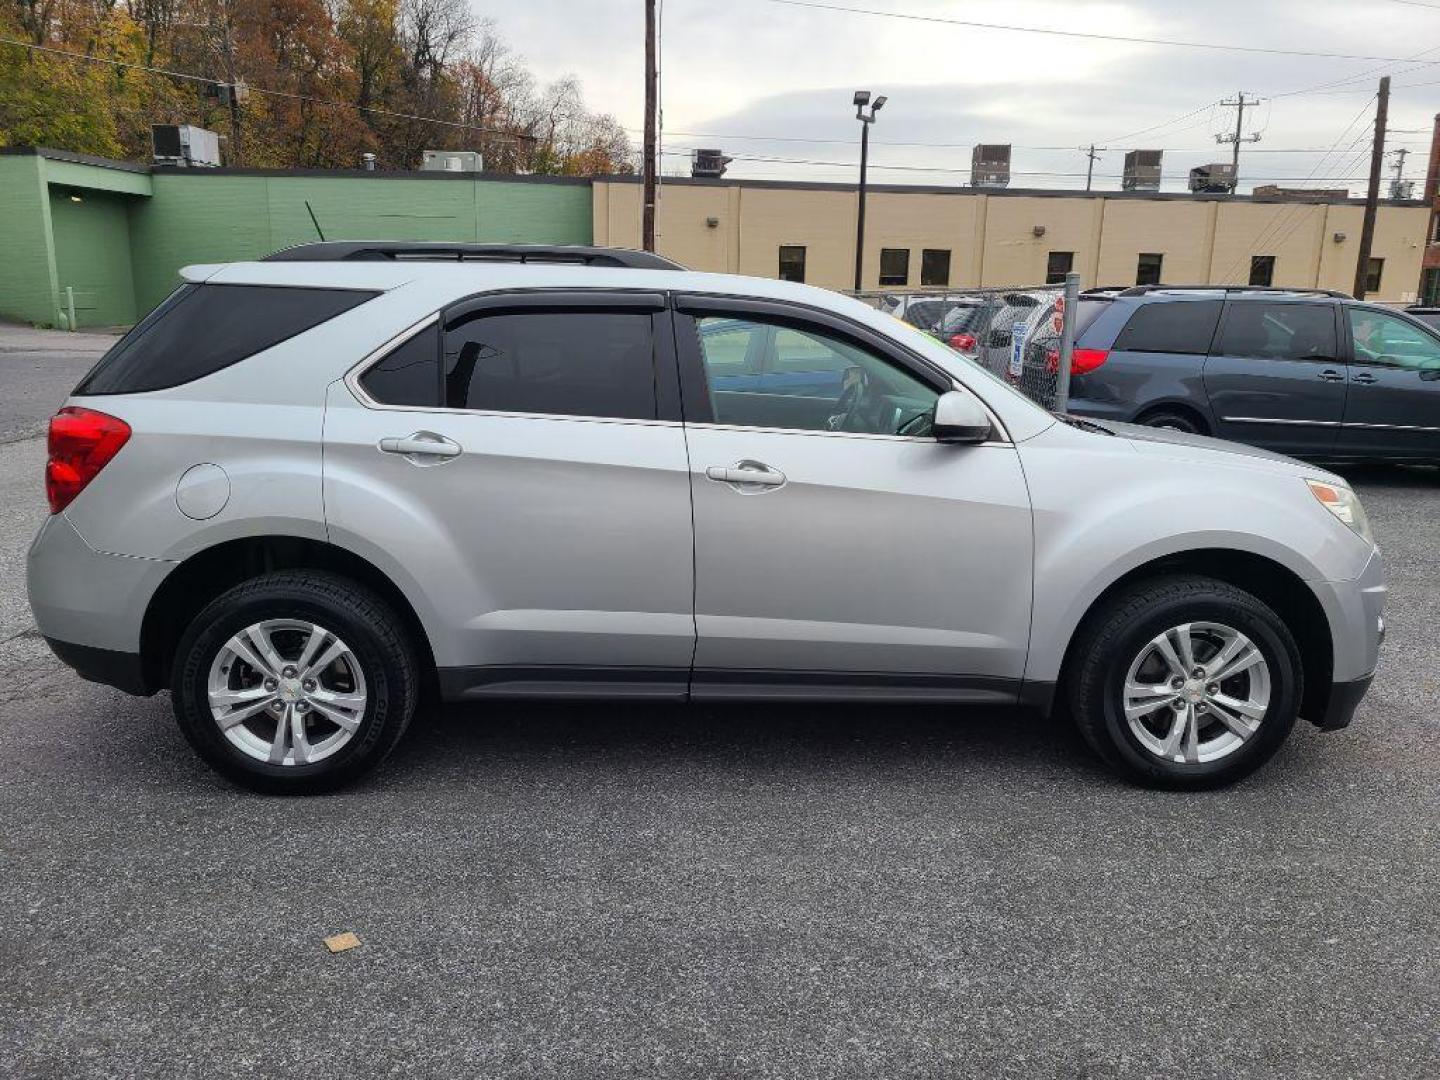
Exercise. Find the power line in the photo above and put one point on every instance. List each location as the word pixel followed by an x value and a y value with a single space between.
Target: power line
pixel 1086 35
pixel 127 65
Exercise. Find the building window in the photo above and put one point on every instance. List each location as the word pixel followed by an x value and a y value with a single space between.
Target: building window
pixel 792 262
pixel 1430 287
pixel 935 266
pixel 1057 266
pixel 1262 270
pixel 1147 268
pixel 1435 229
pixel 1373 274
pixel 894 266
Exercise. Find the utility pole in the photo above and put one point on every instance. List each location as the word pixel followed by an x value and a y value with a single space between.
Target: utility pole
pixel 1092 153
pixel 1372 195
pixel 1239 105
pixel 647 227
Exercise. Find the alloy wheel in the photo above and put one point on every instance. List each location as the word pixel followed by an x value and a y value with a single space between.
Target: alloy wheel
pixel 1196 693
pixel 287 692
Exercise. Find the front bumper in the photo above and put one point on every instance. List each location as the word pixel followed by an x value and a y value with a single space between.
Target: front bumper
pixel 1344 699
pixel 1355 611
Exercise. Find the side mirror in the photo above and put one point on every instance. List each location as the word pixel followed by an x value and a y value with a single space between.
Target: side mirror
pixel 960 418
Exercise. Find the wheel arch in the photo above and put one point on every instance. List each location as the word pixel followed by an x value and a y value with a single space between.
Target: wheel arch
pixel 206 574
pixel 1203 423
pixel 1272 582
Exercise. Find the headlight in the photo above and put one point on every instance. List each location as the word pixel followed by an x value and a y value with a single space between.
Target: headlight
pixel 1345 505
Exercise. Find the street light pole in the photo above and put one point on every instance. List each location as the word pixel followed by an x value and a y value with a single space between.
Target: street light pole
pixel 862 98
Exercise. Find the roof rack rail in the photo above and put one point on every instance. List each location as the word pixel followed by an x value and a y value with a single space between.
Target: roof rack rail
pixel 1141 290
pixel 404 251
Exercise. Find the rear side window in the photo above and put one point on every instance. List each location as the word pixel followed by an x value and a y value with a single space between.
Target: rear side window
pixel 563 363
pixel 1279 331
pixel 408 374
pixel 201 329
pixel 1180 326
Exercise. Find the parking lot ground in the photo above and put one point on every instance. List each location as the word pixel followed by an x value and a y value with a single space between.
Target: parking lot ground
pixel 622 891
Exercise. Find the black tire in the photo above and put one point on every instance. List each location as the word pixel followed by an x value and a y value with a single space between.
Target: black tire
pixel 1175 420
pixel 1111 639
pixel 367 624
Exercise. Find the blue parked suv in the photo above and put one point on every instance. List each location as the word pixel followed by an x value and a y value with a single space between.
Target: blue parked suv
pixel 1310 373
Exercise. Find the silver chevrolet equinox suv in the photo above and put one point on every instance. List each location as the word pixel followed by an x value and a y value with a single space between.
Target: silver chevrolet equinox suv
pixel 307 493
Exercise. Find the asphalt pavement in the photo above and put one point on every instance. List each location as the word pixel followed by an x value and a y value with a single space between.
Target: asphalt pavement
pixel 627 891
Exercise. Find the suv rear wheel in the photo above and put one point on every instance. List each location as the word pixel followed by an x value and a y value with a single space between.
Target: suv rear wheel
pixel 295 682
pixel 1185 682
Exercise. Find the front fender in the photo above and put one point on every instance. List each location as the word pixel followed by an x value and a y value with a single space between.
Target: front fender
pixel 1104 509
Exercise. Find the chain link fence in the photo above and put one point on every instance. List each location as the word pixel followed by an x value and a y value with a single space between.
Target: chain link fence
pixel 1013 332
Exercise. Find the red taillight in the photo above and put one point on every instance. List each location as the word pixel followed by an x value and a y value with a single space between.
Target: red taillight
pixel 82 442
pixel 962 342
pixel 1081 360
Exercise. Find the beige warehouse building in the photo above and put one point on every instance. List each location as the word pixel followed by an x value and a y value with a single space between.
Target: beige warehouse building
pixel 960 237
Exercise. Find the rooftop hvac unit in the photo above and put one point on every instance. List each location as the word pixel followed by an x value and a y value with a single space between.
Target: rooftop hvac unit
pixel 709 164
pixel 452 161
pixel 1216 178
pixel 184 145
pixel 1142 171
pixel 990 165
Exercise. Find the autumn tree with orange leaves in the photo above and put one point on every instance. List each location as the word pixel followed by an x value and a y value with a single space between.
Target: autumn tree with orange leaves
pixel 326 81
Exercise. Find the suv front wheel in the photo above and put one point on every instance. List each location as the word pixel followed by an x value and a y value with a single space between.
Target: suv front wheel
pixel 1185 682
pixel 296 682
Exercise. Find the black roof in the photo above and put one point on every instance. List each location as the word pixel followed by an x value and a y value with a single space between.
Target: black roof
pixel 401 251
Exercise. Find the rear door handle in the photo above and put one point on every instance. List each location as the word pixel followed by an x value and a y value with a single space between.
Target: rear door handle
pixel 747 476
pixel 1331 375
pixel 422 447
pixel 1364 377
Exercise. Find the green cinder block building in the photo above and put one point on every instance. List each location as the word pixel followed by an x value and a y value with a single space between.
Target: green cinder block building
pixel 115 233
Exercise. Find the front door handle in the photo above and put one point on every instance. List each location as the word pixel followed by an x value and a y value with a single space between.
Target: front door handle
pixel 422 448
pixel 747 476
pixel 1364 377
pixel 1331 375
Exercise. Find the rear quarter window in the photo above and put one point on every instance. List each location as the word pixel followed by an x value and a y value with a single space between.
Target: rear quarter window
pixel 1177 326
pixel 200 329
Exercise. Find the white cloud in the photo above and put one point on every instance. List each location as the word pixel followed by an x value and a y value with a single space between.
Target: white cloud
pixel 751 67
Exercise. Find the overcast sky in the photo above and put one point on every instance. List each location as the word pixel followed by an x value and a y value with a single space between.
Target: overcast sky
pixel 735 70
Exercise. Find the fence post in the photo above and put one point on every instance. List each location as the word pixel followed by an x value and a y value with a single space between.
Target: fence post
pixel 70 306
pixel 1067 341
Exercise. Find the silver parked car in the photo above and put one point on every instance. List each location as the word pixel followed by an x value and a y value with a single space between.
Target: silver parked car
pixel 305 493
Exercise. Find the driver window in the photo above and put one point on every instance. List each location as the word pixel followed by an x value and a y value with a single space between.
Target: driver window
pixel 1386 339
pixel 809 380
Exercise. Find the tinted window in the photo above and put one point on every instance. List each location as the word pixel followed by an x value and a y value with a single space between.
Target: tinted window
pixel 1388 339
pixel 409 374
pixel 1179 326
pixel 1057 265
pixel 1374 272
pixel 1086 312
pixel 810 380
pixel 792 263
pixel 1279 331
pixel 924 314
pixel 568 363
pixel 935 266
pixel 201 329
pixel 1148 268
pixel 894 266
pixel 728 345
